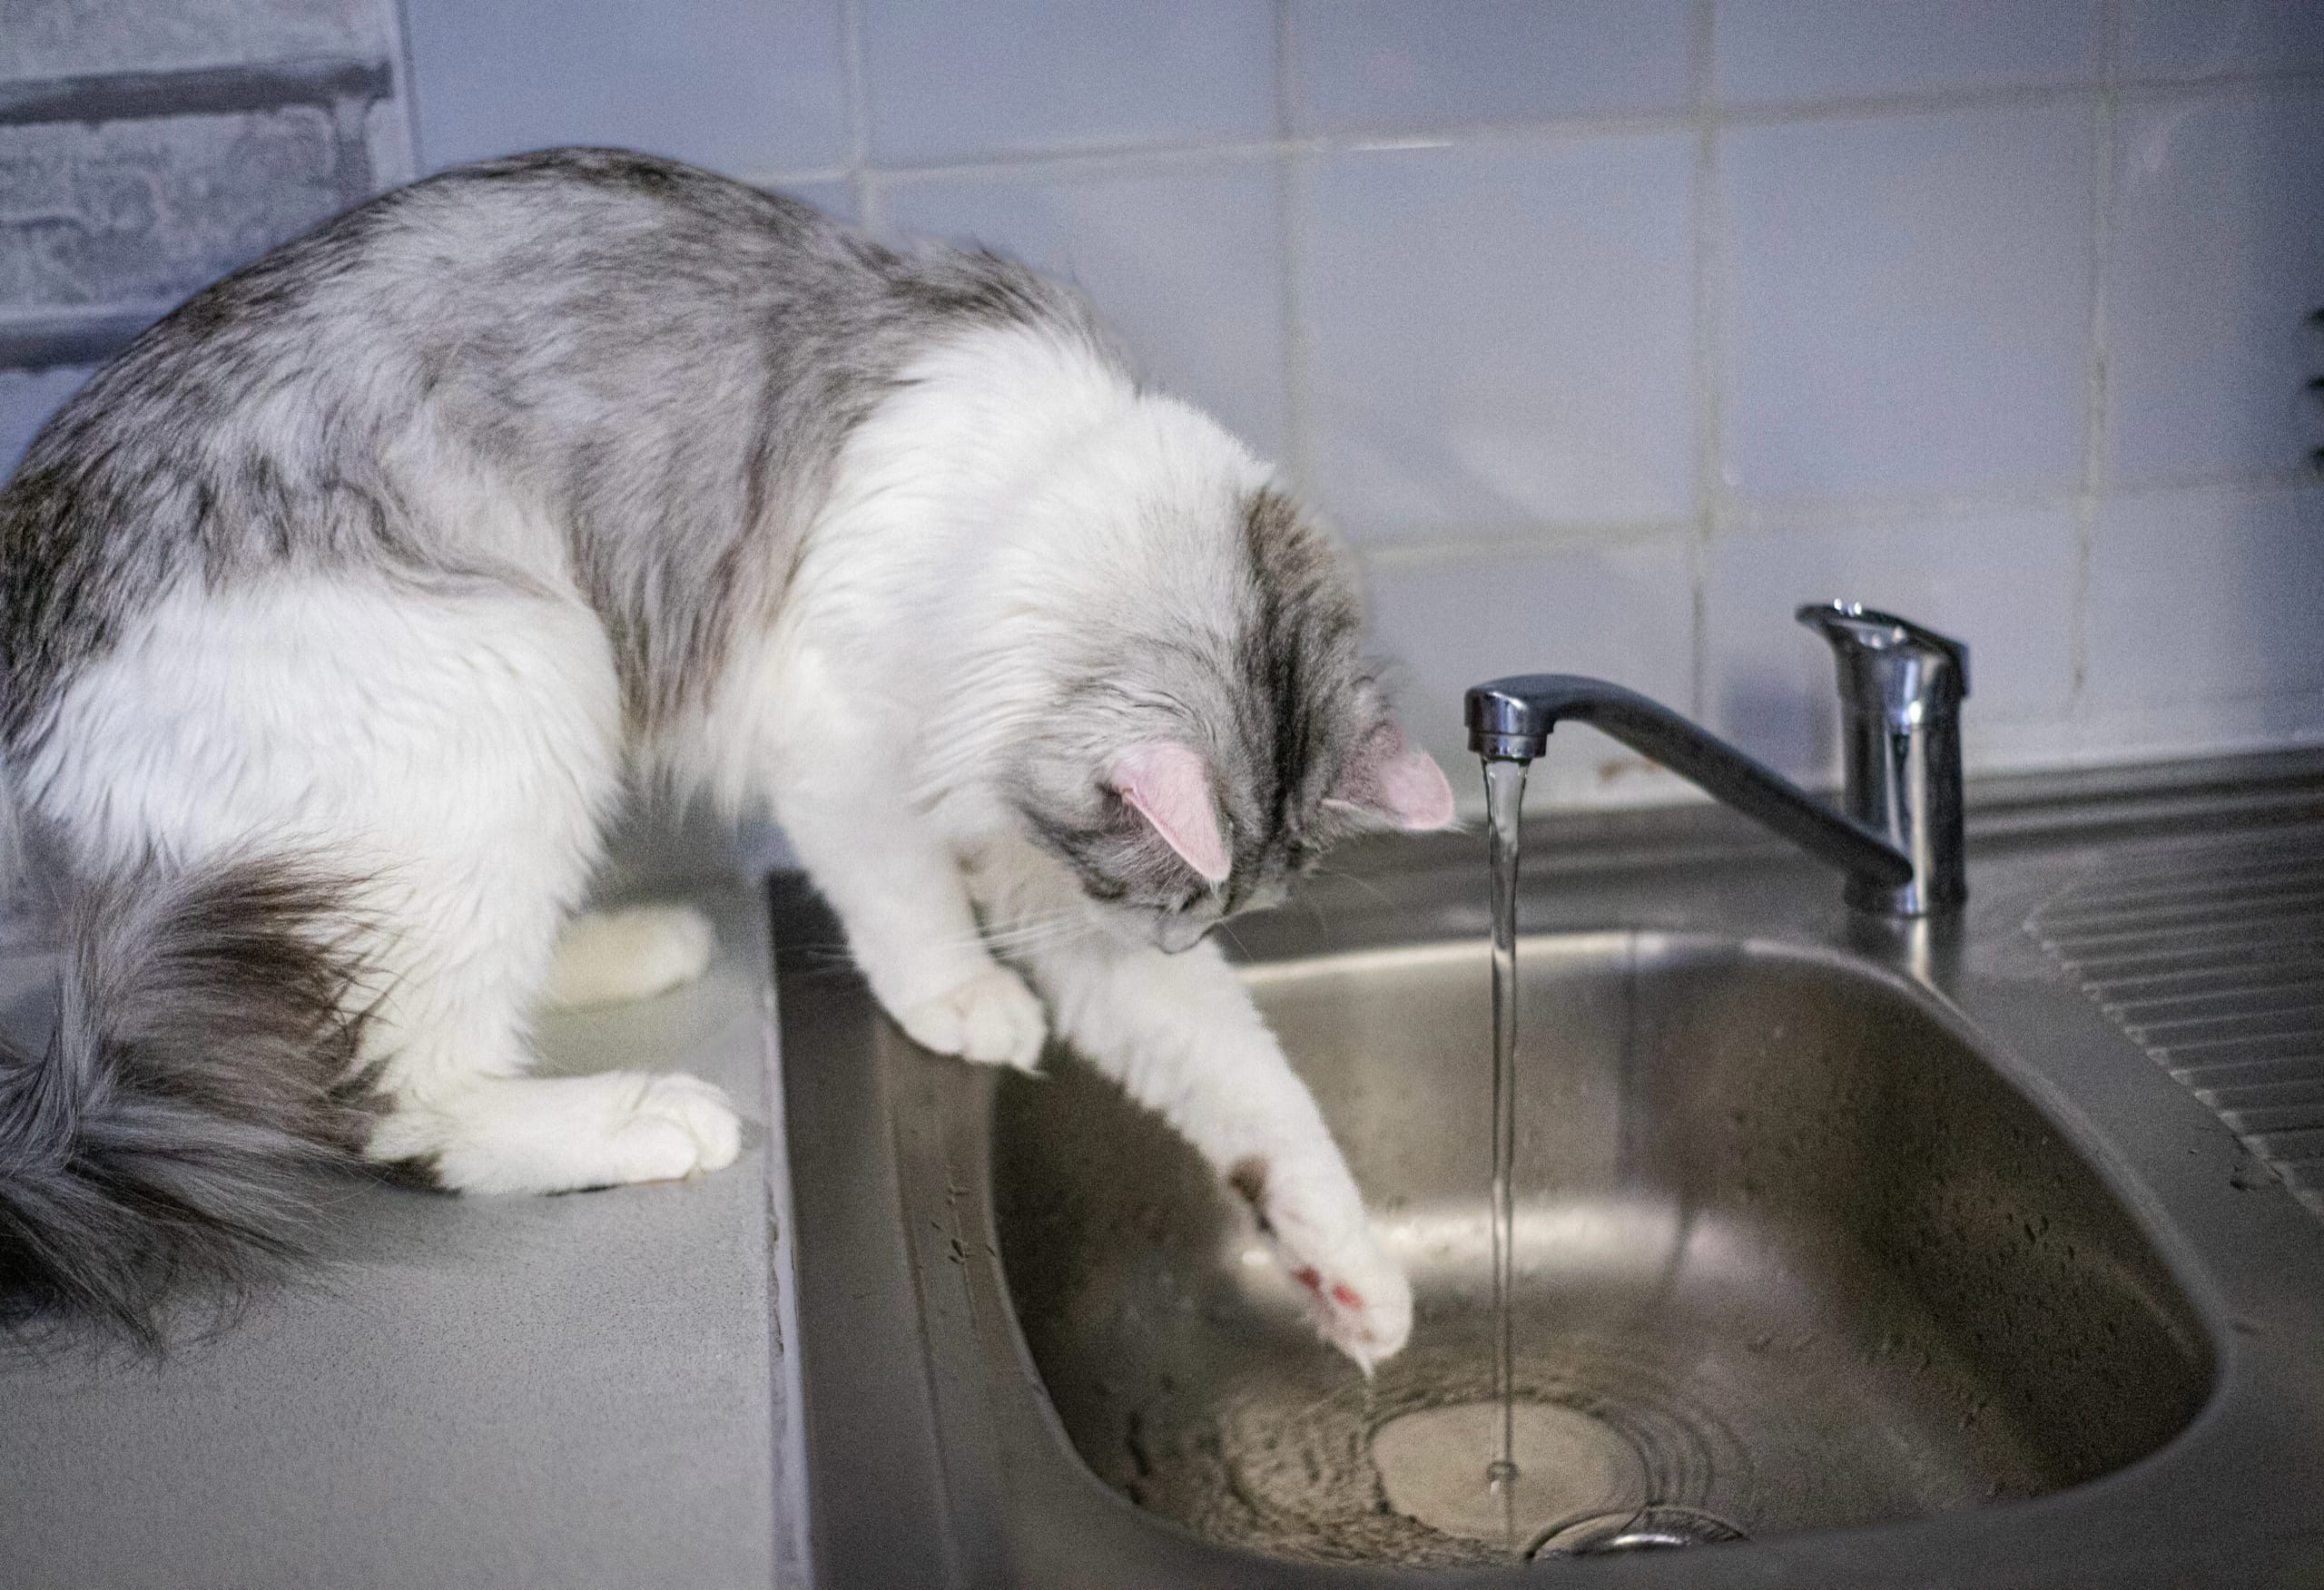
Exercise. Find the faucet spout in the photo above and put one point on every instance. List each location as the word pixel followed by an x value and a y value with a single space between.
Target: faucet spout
pixel 1510 720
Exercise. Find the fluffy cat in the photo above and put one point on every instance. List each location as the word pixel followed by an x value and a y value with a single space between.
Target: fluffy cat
pixel 341 609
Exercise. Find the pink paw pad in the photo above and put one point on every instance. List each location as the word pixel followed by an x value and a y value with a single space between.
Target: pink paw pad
pixel 1340 1293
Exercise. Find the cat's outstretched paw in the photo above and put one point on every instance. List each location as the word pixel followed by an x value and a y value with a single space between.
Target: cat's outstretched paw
pixel 1358 1300
pixel 610 957
pixel 1356 1297
pixel 992 1018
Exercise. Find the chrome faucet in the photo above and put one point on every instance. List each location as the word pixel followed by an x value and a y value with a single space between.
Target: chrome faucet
pixel 1901 689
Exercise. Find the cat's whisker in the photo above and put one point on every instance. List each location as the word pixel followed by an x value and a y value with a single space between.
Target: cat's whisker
pixel 1357 878
pixel 1033 924
pixel 1054 941
pixel 1039 934
pixel 1063 926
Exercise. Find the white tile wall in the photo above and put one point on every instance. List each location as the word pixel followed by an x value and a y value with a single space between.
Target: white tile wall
pixel 1184 259
pixel 1499 335
pixel 746 86
pixel 1621 609
pixel 834 196
pixel 1837 49
pixel 2198 37
pixel 2218 258
pixel 1908 302
pixel 964 78
pixel 1614 329
pixel 2002 580
pixel 2209 594
pixel 1371 66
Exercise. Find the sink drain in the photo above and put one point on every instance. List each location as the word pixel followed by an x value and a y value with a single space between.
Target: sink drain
pixel 1432 1465
pixel 1632 1529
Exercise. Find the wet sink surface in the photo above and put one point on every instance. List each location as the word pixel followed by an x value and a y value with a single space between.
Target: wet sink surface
pixel 1792 1253
pixel 1890 1250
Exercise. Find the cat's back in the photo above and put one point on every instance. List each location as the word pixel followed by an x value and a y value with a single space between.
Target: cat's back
pixel 653 364
pixel 540 301
pixel 512 267
pixel 588 233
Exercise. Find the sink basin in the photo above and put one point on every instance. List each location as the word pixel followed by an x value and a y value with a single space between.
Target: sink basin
pixel 1887 1250
pixel 1791 1253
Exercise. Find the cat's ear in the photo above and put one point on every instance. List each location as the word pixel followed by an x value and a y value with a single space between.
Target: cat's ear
pixel 1169 784
pixel 1391 779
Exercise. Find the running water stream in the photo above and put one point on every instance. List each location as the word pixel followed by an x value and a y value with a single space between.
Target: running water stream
pixel 1504 798
pixel 1584 1485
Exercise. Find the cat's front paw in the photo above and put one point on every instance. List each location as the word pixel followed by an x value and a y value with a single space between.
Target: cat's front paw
pixel 992 1018
pixel 1355 1294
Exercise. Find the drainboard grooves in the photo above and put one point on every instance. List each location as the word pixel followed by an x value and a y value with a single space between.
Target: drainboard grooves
pixel 2182 1002
pixel 2208 953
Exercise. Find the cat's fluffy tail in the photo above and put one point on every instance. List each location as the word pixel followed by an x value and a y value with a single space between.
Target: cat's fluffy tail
pixel 198 1095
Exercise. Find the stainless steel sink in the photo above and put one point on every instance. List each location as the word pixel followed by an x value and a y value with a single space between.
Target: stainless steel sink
pixel 1790 1245
pixel 1883 1245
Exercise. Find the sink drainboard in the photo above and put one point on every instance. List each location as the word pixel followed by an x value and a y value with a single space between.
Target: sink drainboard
pixel 2209 954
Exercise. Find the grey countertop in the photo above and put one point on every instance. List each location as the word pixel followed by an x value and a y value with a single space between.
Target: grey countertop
pixel 559 1392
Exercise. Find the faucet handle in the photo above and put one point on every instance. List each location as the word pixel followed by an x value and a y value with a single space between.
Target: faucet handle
pixel 1890 663
pixel 1901 688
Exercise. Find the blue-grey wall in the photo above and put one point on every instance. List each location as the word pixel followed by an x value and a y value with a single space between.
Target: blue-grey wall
pixel 148 146
pixel 1612 329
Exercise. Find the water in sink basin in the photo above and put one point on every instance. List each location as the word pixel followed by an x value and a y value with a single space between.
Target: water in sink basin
pixel 1780 1229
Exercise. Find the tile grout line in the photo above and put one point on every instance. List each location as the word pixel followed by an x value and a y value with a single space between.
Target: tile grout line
pixel 857 85
pixel 2094 468
pixel 1787 520
pixel 405 87
pixel 1068 165
pixel 1525 541
pixel 1131 157
pixel 1291 246
pixel 1778 515
pixel 1707 232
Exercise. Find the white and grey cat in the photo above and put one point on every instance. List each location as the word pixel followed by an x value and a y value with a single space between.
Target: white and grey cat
pixel 339 612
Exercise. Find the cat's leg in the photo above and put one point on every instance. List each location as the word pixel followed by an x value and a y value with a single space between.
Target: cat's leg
pixel 634 952
pixel 898 894
pixel 450 756
pixel 463 957
pixel 562 1133
pixel 1182 1037
pixel 494 844
pixel 897 888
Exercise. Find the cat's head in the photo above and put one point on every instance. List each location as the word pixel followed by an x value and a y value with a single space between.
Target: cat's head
pixel 1220 729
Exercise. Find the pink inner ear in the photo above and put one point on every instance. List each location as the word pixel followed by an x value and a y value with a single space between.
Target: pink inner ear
pixel 1400 783
pixel 1418 796
pixel 1170 786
